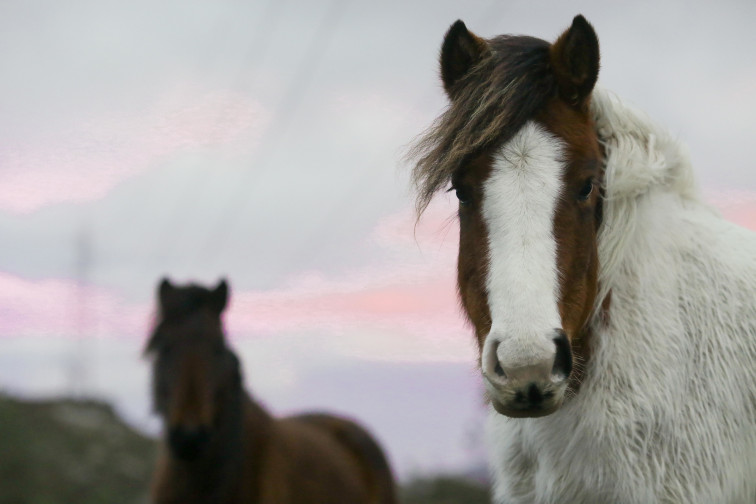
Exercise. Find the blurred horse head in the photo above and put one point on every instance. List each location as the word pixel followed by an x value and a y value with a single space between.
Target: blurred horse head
pixel 195 374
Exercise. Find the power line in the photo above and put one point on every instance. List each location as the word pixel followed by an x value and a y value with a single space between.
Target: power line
pixel 78 365
pixel 279 127
pixel 257 50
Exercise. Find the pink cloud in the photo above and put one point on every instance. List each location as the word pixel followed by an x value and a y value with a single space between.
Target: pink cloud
pixel 414 293
pixel 403 308
pixel 54 307
pixel 738 206
pixel 94 155
pixel 411 303
pixel 399 308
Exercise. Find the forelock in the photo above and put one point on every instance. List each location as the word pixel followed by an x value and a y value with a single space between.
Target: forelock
pixel 491 103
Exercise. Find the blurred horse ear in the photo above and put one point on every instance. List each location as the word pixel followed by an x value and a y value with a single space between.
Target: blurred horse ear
pixel 575 59
pixel 165 292
pixel 460 52
pixel 152 344
pixel 219 296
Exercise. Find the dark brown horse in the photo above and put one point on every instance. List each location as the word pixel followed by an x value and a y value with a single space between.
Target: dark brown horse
pixel 220 446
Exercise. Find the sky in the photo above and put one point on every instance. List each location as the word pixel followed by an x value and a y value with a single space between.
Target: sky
pixel 263 142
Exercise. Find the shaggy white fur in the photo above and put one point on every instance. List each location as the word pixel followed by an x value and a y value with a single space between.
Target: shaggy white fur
pixel 667 409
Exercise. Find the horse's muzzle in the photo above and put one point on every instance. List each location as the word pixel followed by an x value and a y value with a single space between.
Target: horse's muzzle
pixel 188 443
pixel 524 384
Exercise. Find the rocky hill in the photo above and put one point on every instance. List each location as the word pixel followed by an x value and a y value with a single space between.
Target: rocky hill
pixel 66 451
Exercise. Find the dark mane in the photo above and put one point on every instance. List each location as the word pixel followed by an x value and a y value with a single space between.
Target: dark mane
pixel 490 104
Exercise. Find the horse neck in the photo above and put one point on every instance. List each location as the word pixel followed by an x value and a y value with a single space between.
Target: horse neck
pixel 257 428
pixel 257 423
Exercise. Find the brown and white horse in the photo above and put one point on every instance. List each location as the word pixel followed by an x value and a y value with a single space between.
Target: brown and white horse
pixel 220 446
pixel 615 313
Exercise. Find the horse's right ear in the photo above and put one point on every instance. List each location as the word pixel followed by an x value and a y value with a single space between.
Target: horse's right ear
pixel 460 52
pixel 165 292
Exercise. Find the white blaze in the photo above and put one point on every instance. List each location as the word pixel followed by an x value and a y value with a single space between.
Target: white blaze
pixel 519 203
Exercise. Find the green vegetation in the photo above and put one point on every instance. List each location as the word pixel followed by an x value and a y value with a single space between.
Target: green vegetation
pixel 444 490
pixel 65 451
pixel 79 452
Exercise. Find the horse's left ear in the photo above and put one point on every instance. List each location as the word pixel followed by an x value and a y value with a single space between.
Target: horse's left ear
pixel 219 296
pixel 165 292
pixel 575 59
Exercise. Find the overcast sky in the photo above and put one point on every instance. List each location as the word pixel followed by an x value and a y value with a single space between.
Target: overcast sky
pixel 262 141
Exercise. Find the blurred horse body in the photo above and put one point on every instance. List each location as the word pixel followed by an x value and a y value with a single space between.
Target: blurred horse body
pixel 222 447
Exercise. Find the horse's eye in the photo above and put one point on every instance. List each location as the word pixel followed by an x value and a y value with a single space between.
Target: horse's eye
pixel 463 195
pixel 586 190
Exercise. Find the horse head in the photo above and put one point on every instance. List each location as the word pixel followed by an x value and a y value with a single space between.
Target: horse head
pixel 195 374
pixel 518 146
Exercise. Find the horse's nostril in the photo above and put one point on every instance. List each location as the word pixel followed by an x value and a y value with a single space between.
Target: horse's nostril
pixel 563 358
pixel 499 371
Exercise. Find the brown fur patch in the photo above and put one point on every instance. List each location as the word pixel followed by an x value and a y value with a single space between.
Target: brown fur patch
pixel 472 260
pixel 576 222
